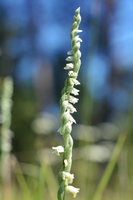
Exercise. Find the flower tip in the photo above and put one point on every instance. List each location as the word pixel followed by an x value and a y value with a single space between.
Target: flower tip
pixel 77 10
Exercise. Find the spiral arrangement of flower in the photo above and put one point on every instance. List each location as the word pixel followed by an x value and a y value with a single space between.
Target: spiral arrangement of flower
pixel 67 108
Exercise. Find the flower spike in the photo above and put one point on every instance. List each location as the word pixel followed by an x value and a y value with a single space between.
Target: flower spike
pixel 67 108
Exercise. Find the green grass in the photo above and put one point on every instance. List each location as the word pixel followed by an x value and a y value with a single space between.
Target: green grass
pixel 95 180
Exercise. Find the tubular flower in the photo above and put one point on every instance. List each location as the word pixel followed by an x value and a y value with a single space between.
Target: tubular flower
pixel 72 190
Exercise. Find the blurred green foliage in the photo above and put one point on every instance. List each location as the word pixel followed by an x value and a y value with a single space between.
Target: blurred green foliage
pixel 34 169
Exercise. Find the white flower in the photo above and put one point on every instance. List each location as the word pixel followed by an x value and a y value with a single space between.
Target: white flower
pixel 74 81
pixel 71 108
pixel 77 31
pixel 70 52
pixel 65 163
pixel 72 190
pixel 72 73
pixel 58 150
pixel 69 58
pixel 67 117
pixel 69 177
pixel 69 66
pixel 73 99
pixel 74 91
pixel 71 119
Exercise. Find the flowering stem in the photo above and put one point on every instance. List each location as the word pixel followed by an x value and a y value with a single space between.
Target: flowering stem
pixel 6 134
pixel 66 109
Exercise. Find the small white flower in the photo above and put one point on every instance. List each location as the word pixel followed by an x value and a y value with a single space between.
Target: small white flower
pixel 77 31
pixel 74 81
pixel 69 66
pixel 72 73
pixel 72 190
pixel 73 99
pixel 70 52
pixel 65 162
pixel 71 108
pixel 69 58
pixel 58 150
pixel 71 119
pixel 67 117
pixel 74 91
pixel 69 177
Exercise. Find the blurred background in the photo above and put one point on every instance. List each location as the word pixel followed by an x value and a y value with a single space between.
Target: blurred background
pixel 34 40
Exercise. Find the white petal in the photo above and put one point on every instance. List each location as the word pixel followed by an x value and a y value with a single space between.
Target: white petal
pixel 72 190
pixel 69 177
pixel 71 108
pixel 70 52
pixel 74 81
pixel 77 31
pixel 72 120
pixel 69 66
pixel 67 117
pixel 73 99
pixel 75 91
pixel 72 73
pixel 69 58
pixel 58 150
